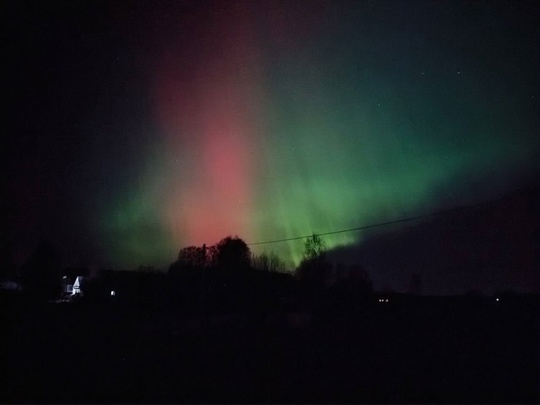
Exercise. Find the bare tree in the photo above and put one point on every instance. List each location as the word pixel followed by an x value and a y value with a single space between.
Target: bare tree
pixel 314 248
pixel 269 262
pixel 314 266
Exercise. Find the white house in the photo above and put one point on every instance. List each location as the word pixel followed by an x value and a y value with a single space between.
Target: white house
pixel 74 280
pixel 77 286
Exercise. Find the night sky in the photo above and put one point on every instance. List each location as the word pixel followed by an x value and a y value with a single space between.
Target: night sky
pixel 136 128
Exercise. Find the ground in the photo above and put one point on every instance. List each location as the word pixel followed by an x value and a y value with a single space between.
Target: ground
pixel 106 353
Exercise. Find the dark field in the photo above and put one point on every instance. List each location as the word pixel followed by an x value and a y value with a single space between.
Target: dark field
pixel 434 351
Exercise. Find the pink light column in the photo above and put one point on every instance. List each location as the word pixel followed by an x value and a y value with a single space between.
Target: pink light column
pixel 206 96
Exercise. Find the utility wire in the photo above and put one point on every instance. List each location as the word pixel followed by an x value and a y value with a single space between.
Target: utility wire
pixel 397 221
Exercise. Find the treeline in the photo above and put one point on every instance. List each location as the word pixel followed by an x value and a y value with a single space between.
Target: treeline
pixel 228 276
pixel 222 277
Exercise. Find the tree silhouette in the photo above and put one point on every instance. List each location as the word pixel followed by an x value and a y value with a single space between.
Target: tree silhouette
pixel 41 275
pixel 269 262
pixel 215 277
pixel 193 258
pixel 314 248
pixel 232 254
pixel 314 266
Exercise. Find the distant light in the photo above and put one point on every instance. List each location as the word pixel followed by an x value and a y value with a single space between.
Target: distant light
pixel 496 299
pixel 387 300
pixel 113 293
pixel 64 277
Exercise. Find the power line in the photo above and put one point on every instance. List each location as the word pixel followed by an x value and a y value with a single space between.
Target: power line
pixel 359 228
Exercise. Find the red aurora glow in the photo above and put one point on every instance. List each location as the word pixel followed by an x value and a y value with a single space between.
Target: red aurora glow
pixel 205 95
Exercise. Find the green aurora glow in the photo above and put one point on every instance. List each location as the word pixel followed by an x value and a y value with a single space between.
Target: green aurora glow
pixel 357 123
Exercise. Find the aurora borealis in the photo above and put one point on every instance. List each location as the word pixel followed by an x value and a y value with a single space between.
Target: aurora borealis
pixel 267 120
